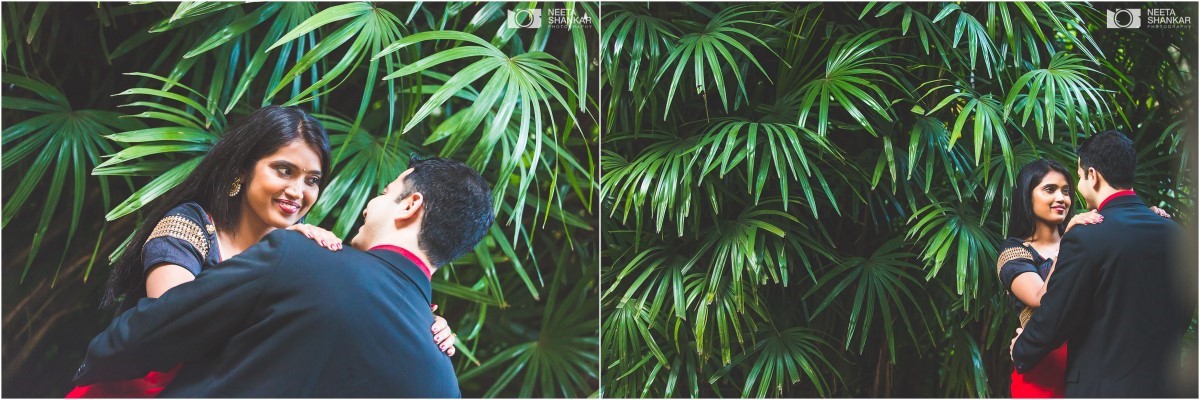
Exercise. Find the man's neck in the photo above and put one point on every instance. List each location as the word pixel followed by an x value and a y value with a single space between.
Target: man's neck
pixel 1103 194
pixel 408 245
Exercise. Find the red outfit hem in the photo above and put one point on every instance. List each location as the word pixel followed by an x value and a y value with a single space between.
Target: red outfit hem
pixel 1048 380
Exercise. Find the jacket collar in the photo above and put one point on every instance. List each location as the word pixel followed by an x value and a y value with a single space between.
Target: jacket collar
pixel 409 255
pixel 407 269
pixel 1123 200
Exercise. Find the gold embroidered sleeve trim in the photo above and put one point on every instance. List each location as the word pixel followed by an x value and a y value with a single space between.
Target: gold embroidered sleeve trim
pixel 1026 315
pixel 181 228
pixel 1012 253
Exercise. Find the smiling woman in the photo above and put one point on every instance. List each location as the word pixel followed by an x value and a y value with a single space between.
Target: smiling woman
pixel 1041 209
pixel 152 88
pixel 274 158
pixel 288 179
pixel 238 192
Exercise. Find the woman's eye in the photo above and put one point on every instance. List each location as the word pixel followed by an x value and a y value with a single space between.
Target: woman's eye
pixel 285 171
pixel 314 180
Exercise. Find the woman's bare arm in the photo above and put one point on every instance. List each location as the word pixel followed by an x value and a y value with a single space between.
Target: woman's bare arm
pixel 1029 288
pixel 163 277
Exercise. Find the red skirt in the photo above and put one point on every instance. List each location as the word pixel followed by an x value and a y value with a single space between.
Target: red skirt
pixel 141 388
pixel 1047 380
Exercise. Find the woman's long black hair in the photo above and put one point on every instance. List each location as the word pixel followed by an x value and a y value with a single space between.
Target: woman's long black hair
pixel 1022 222
pixel 234 155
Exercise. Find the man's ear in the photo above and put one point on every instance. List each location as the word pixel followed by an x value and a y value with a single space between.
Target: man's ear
pixel 1097 179
pixel 410 208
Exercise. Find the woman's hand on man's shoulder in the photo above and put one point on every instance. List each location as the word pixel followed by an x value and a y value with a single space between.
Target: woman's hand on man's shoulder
pixel 323 237
pixel 1088 218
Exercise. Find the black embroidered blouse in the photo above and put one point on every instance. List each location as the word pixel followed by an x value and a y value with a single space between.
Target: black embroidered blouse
pixel 1017 258
pixel 186 237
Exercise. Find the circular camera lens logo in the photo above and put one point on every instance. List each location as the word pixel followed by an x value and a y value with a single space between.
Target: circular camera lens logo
pixel 525 19
pixel 1127 18
pixel 1123 18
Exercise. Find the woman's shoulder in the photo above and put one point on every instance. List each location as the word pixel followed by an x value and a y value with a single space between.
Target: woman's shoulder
pixel 1011 242
pixel 1013 249
pixel 186 221
pixel 191 211
pixel 184 236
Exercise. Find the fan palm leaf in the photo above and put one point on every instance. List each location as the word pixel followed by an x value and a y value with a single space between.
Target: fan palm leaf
pixel 69 140
pixel 711 50
pixel 184 135
pixel 661 174
pixel 645 37
pixel 847 80
pixel 979 42
pixel 963 363
pixel 783 148
pixel 523 89
pixel 882 282
pixel 371 27
pixel 723 314
pixel 560 358
pixel 954 231
pixel 1068 94
pixel 369 163
pixel 783 358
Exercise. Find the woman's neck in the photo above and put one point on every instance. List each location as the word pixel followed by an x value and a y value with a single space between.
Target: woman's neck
pixel 1044 234
pixel 246 232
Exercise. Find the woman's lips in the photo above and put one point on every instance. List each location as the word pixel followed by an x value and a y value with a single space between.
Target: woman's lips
pixel 287 206
pixel 1059 209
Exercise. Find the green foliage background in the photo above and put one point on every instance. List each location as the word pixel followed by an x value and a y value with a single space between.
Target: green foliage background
pixel 805 199
pixel 108 105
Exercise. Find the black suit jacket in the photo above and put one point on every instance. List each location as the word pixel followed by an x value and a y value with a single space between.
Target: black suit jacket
pixel 286 318
pixel 1116 299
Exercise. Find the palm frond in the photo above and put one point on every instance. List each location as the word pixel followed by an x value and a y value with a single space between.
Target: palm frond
pixel 709 51
pixel 523 90
pixel 784 358
pixel 884 282
pixel 661 174
pixel 1069 94
pixel 59 136
pixel 561 357
pixel 794 154
pixel 184 135
pixel 847 80
pixel 954 232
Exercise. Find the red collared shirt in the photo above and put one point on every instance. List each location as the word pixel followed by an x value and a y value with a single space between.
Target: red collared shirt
pixel 409 255
pixel 1115 195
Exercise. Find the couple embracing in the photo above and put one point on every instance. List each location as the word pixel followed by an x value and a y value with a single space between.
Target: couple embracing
pixel 224 293
pixel 1103 296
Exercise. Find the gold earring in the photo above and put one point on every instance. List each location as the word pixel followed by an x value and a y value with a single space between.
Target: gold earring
pixel 236 187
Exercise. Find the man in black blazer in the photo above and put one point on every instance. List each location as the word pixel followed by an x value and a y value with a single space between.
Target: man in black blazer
pixel 1117 296
pixel 288 318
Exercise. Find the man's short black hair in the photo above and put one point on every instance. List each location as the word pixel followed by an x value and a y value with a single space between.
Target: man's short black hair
pixel 457 203
pixel 1111 153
